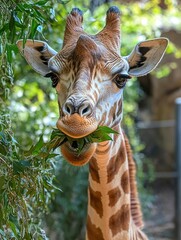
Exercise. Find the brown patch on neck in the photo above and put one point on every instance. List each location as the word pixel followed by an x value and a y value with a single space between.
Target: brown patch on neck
pixel 125 182
pixel 116 162
pixel 95 201
pixel 93 170
pixel 120 221
pixel 93 232
pixel 114 196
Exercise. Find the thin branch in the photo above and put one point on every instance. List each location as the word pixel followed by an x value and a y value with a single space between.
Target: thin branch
pixel 5 162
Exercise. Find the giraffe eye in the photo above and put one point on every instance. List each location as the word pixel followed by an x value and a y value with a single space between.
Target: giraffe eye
pixel 120 80
pixel 53 77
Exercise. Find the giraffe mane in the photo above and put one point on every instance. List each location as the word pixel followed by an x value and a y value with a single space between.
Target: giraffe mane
pixel 135 202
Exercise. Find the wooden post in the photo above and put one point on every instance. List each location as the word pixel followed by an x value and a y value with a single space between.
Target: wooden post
pixel 178 166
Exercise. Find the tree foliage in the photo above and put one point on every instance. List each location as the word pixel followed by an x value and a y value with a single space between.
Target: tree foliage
pixel 26 177
pixel 26 186
pixel 29 109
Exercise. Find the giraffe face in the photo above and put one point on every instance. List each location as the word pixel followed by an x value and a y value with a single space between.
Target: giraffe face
pixel 89 76
pixel 89 87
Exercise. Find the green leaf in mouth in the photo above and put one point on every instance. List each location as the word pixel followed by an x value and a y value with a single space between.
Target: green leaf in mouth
pixel 101 134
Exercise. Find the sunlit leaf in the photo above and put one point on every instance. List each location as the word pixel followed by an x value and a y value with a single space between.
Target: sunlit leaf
pixel 41 3
pixel 106 129
pixel 38 146
pixel 34 26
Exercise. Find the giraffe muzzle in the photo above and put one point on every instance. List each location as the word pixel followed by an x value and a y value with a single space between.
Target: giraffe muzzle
pixel 76 126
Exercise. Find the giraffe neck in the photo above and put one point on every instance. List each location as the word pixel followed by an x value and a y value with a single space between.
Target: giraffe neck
pixel 109 214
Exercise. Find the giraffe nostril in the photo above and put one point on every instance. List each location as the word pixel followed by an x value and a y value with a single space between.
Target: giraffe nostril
pixel 68 108
pixel 85 109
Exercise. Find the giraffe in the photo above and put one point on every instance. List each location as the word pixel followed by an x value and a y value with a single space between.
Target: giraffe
pixel 89 75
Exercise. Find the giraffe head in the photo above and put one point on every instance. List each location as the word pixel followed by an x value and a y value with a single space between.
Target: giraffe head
pixel 89 76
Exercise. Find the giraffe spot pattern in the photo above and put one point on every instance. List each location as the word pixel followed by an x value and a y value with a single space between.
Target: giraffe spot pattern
pixel 115 163
pixel 93 170
pixel 105 151
pixel 93 232
pixel 95 201
pixel 135 203
pixel 114 196
pixel 125 182
pixel 120 220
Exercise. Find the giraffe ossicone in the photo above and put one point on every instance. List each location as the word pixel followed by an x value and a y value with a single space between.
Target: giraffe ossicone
pixel 89 75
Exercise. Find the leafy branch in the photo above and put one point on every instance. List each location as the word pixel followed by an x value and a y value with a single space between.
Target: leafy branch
pixel 26 186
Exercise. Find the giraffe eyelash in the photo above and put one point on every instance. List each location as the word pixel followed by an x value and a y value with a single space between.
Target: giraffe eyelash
pixel 53 77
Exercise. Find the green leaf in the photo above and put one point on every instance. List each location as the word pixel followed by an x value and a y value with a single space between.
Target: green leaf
pixel 81 145
pixel 41 3
pixel 34 26
pixel 13 228
pixel 14 140
pixel 106 129
pixel 56 142
pixel 101 137
pixel 25 163
pixel 36 148
pixel 4 28
pixel 2 182
pixel 38 145
pixel 11 22
pixel 9 53
pixel 18 22
pixel 3 150
pixel 20 166
pixel 56 132
pixel 12 29
pixel 101 134
pixel 52 155
pixel 17 167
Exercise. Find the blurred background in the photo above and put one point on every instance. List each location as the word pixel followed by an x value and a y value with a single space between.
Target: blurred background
pixel 41 196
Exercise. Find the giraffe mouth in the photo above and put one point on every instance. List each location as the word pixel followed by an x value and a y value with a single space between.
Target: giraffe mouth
pixel 76 126
pixel 71 153
pixel 75 147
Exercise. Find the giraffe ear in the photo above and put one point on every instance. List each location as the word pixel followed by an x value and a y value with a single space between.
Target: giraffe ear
pixel 37 54
pixel 146 56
